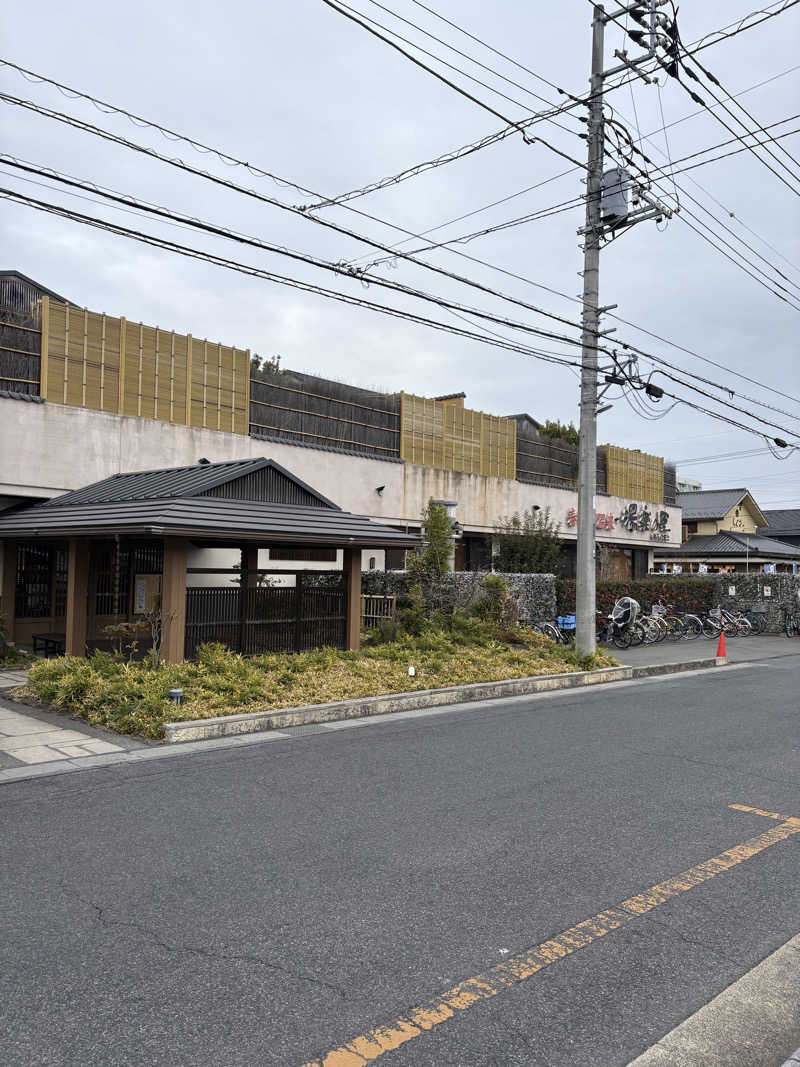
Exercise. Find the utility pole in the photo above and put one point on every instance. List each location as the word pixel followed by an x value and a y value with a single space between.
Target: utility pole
pixel 590 322
pixel 599 223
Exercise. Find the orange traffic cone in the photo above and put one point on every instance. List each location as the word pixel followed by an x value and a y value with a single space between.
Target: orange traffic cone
pixel 721 650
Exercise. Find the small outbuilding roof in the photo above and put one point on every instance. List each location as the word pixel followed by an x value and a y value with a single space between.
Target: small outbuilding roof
pixel 212 503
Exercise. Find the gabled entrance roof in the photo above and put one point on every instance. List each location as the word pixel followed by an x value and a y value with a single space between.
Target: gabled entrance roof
pixel 254 501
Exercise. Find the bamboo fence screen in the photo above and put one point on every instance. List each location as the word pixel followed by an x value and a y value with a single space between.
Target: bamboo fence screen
pixel 634 475
pixel 435 434
pixel 96 361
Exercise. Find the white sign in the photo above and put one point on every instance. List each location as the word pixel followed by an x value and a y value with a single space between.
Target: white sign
pixel 769 568
pixel 677 568
pixel 731 590
pixel 767 590
pixel 702 568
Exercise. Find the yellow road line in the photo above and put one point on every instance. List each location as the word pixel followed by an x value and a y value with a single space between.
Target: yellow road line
pixel 369 1046
pixel 759 811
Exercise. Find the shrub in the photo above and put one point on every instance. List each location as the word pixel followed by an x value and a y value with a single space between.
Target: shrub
pixel 695 595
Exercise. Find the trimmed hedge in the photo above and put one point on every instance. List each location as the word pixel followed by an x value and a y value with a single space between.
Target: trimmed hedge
pixel 696 595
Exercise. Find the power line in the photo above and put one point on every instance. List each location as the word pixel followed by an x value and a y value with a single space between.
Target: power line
pixel 502 55
pixel 216 260
pixel 759 276
pixel 347 13
pixel 464 55
pixel 254 242
pixel 262 197
pixel 87 127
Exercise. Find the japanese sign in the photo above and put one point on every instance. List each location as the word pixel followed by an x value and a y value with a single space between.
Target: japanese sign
pixel 634 518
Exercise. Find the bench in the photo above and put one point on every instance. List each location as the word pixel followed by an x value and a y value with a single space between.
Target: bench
pixel 49 644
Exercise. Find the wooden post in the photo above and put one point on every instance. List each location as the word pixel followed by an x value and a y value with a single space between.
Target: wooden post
pixel 123 327
pixel 43 352
pixel 352 584
pixel 298 612
pixel 173 599
pixel 77 596
pixel 188 411
pixel 9 587
pixel 250 564
pixel 248 568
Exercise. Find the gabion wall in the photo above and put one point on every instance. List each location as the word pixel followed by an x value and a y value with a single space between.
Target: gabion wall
pixel 784 590
pixel 535 593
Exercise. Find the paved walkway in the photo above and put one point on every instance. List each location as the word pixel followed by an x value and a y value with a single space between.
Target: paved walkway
pixel 31 736
pixel 739 649
pixel 11 679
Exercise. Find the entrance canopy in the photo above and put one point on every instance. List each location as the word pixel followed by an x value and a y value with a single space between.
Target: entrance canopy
pixel 73 564
pixel 253 500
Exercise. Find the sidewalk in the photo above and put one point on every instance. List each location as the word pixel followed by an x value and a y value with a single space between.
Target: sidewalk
pixel 740 650
pixel 32 736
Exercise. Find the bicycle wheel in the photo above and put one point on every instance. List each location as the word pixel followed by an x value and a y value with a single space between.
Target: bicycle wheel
pixel 745 626
pixel 674 627
pixel 788 626
pixel 622 638
pixel 548 630
pixel 637 632
pixel 711 628
pixel 693 627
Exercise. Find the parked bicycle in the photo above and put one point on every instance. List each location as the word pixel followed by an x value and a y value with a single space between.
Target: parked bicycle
pixel 620 627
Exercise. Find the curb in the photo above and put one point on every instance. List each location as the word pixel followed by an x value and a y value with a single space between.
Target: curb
pixel 258 721
pixel 751 1023
pixel 253 722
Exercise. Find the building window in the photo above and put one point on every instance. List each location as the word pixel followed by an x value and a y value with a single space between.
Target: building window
pixel 691 527
pixel 372 563
pixel 32 599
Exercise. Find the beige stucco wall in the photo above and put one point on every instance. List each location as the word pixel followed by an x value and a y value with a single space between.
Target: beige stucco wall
pixel 46 449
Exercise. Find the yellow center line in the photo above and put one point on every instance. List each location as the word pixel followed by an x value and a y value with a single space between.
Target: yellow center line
pixel 369 1046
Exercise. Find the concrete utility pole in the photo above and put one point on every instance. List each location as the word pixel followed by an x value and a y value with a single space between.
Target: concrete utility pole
pixel 587 447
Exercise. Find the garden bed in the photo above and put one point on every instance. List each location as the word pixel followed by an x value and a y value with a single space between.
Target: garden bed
pixel 133 697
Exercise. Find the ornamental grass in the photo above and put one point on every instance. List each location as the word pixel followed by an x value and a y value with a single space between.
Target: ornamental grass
pixel 132 697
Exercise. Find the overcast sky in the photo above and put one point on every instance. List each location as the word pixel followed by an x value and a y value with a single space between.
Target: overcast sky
pixel 300 91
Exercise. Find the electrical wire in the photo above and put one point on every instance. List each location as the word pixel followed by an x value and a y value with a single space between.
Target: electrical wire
pixel 90 128
pixel 347 12
pixel 464 55
pixel 254 242
pixel 216 260
pixel 502 55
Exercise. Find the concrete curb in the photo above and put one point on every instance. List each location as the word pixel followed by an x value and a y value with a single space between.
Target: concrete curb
pixel 752 1023
pixel 257 721
pixel 253 722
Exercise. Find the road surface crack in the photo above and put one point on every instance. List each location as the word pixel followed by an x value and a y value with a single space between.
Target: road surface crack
pixel 101 914
pixel 695 941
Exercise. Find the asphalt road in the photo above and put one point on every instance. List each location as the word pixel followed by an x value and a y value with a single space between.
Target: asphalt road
pixel 266 904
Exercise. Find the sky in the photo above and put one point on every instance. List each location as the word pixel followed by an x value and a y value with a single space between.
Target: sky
pixel 300 91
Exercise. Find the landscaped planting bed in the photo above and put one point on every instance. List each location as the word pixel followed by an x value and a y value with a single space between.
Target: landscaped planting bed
pixel 133 697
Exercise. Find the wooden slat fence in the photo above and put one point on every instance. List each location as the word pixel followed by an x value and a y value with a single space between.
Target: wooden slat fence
pixel 265 620
pixel 376 608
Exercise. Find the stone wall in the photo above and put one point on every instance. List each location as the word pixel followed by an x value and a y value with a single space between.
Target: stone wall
pixel 535 593
pixel 749 593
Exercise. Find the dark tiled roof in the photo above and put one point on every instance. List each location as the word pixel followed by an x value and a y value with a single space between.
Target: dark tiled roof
pixel 207 519
pixel 726 543
pixel 708 503
pixel 30 398
pixel 781 521
pixel 173 482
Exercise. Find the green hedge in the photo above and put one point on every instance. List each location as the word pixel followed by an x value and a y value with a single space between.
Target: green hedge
pixel 695 595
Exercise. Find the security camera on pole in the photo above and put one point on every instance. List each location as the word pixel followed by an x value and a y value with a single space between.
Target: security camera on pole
pixel 606 211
